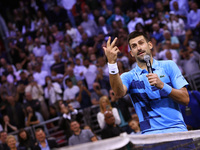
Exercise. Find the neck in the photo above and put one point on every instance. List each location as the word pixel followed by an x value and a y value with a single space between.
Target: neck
pixel 13 148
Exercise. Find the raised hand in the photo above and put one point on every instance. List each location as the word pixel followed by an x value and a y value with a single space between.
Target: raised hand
pixel 111 51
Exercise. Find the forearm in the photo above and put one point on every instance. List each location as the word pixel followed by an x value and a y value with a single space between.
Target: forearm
pixel 180 96
pixel 117 85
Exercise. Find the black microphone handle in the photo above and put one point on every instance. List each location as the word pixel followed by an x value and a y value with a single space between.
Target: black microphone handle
pixel 149 67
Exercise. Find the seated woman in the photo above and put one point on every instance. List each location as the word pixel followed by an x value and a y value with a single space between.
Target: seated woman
pixel 25 140
pixel 31 118
pixel 7 126
pixel 11 142
pixel 105 105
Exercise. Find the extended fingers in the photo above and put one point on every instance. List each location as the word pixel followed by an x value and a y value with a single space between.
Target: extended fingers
pixel 108 42
pixel 113 42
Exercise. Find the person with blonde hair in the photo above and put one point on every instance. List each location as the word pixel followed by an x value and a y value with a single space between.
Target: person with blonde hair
pixel 11 142
pixel 105 105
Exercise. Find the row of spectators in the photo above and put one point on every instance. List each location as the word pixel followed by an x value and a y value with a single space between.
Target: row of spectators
pixel 52 60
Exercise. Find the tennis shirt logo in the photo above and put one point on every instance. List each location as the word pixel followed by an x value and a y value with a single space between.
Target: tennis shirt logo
pixel 161 76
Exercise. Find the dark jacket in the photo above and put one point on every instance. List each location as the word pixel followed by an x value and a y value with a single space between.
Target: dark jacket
pixel 110 131
pixel 51 142
pixel 123 105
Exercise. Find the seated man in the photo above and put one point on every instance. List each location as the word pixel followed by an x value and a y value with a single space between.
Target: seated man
pixel 111 129
pixel 43 143
pixel 80 136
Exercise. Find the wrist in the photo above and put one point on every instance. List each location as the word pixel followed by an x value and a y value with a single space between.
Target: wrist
pixel 167 89
pixel 113 68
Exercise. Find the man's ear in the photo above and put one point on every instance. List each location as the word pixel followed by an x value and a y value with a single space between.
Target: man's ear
pixel 150 45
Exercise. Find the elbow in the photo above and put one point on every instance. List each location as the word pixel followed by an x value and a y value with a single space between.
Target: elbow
pixel 187 100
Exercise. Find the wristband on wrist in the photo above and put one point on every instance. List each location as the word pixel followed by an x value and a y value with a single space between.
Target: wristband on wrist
pixel 167 89
pixel 113 68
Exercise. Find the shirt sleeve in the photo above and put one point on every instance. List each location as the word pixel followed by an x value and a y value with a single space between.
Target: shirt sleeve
pixel 176 77
pixel 125 80
pixel 116 115
pixel 100 119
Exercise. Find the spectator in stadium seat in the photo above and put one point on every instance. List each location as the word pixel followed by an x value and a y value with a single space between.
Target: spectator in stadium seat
pixel 12 143
pixel 29 101
pixel 111 129
pixel 68 114
pixel 37 92
pixel 7 126
pixel 58 66
pixel 80 136
pixel 25 140
pixel 97 92
pixel 89 26
pixel 39 49
pixel 3 144
pixel 105 105
pixel 44 143
pixel 134 125
pixel 69 95
pixel 175 44
pixel 122 105
pixel 31 118
pixel 15 112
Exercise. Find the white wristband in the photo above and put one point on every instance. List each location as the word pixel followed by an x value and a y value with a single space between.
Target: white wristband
pixel 113 68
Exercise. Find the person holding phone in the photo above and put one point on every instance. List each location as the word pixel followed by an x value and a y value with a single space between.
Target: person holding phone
pixel 105 105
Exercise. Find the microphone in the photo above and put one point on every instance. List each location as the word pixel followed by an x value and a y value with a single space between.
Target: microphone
pixel 147 59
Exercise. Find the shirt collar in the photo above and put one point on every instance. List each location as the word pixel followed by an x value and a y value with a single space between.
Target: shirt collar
pixel 141 71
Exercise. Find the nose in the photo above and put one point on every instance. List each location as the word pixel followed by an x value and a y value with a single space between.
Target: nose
pixel 138 47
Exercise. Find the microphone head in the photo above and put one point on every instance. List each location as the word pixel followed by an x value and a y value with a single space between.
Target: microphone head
pixel 147 58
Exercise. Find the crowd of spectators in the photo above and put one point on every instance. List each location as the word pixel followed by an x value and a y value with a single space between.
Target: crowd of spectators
pixel 52 62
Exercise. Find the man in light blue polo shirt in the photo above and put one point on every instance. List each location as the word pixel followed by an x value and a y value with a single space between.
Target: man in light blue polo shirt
pixel 156 95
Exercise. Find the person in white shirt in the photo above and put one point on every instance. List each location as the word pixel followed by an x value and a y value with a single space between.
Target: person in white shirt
pixel 39 50
pixel 70 94
pixel 52 91
pixel 74 34
pixel 48 59
pixel 90 73
pixel 40 74
pixel 106 106
pixel 134 21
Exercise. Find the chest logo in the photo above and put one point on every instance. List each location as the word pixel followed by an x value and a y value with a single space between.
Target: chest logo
pixel 161 76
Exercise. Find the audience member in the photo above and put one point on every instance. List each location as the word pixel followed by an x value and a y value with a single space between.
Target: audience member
pixel 122 105
pixel 7 126
pixel 69 95
pixel 12 142
pixel 105 105
pixel 97 92
pixel 90 27
pixel 52 91
pixel 26 141
pixel 80 136
pixel 31 118
pixel 15 112
pixel 134 125
pixel 43 142
pixel 111 129
pixel 3 144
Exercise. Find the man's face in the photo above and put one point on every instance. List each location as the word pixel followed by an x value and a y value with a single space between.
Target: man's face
pixel 3 137
pixel 40 135
pixel 139 48
pixel 75 126
pixel 109 118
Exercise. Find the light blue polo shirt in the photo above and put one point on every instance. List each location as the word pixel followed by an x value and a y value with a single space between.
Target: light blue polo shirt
pixel 157 112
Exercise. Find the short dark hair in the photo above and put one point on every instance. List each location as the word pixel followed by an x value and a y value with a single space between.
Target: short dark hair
pixel 135 34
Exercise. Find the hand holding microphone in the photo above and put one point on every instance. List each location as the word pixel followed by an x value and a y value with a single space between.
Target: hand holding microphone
pixel 153 78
